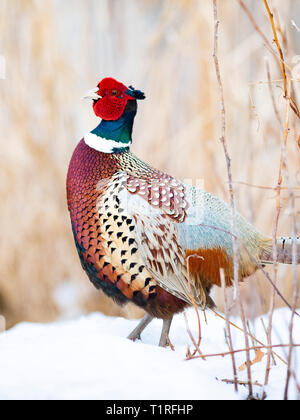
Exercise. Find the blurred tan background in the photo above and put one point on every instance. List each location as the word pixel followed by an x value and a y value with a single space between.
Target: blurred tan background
pixel 56 50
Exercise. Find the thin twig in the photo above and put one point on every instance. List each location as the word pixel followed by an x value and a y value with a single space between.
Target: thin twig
pixel 229 337
pixel 228 353
pixel 277 213
pixel 232 197
pixel 263 187
pixel 257 28
pixel 271 17
pixel 197 346
pixel 191 356
pixel 276 112
pixel 267 82
pixel 245 383
pixel 251 336
pixel 275 266
pixel 280 58
pixel 292 102
pixel 266 41
pixel 266 332
pixel 294 244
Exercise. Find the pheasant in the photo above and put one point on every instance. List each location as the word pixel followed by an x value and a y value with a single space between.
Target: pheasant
pixel 144 236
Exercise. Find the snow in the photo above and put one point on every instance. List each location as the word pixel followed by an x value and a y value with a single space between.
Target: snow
pixel 90 358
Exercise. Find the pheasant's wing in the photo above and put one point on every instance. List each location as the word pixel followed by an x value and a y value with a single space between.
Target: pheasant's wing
pixel 165 258
pixel 158 204
pixel 189 226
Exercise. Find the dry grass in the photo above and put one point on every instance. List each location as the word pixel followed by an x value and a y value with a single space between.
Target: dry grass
pixel 57 50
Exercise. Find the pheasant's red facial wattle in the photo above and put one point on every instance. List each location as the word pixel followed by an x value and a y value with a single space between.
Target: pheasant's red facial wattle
pixel 109 109
pixel 114 98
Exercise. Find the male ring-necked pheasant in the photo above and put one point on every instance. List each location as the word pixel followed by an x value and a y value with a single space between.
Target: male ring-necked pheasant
pixel 142 235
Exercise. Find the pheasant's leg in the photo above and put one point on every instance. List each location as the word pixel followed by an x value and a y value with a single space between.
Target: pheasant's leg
pixel 163 342
pixel 136 333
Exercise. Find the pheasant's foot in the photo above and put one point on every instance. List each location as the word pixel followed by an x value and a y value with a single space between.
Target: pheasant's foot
pixel 163 342
pixel 136 333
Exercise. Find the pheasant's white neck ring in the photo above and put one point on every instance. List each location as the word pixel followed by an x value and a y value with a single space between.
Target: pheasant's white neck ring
pixel 113 136
pixel 104 145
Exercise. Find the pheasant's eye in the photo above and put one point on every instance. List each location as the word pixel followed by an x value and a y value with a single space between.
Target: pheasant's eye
pixel 114 92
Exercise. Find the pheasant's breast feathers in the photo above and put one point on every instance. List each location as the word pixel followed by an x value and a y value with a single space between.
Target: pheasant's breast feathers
pixel 109 245
pixel 103 213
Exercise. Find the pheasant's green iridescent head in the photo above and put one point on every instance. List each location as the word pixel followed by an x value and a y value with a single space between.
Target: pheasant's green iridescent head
pixel 116 105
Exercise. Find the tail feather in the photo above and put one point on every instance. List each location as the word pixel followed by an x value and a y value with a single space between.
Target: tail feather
pixel 285 251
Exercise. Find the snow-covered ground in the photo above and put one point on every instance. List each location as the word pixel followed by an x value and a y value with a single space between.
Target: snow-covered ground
pixel 90 358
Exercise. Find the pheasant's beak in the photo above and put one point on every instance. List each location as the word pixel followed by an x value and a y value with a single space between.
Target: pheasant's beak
pixel 92 94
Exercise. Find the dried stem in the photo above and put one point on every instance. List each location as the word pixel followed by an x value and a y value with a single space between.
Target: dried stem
pixel 222 275
pixel 278 47
pixel 232 197
pixel 294 244
pixel 283 166
pixel 228 353
pixel 263 187
pixel 292 102
pixel 265 39
pixel 251 336
pixel 257 28
pixel 275 266
pixel 266 332
pixel 276 112
pixel 191 356
pixel 280 58
pixel 245 383
pixel 197 346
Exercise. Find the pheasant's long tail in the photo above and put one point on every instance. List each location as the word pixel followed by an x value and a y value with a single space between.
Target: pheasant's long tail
pixel 287 248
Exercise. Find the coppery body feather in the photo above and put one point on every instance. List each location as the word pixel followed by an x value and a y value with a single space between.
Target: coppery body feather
pixel 104 232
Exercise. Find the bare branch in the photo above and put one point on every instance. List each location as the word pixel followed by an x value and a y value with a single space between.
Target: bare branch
pixel 232 197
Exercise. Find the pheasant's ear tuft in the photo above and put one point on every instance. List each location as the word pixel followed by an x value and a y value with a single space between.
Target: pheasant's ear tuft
pixel 134 93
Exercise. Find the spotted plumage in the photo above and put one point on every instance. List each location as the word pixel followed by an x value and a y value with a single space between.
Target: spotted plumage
pixel 144 236
pixel 105 228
